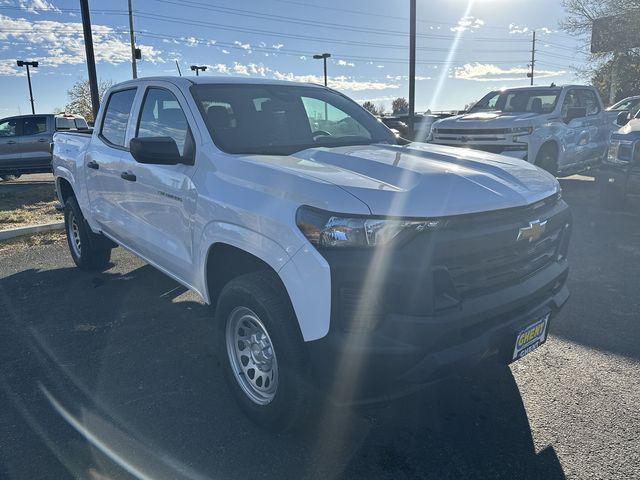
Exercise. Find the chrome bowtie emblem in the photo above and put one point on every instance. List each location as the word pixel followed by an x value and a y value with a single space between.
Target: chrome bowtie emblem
pixel 533 232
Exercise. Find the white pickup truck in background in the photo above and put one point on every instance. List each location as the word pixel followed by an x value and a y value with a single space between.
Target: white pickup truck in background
pixel 563 129
pixel 338 261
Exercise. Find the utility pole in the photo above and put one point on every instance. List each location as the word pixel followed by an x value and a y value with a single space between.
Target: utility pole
pixel 178 67
pixel 22 63
pixel 533 57
pixel 134 67
pixel 412 66
pixel 91 60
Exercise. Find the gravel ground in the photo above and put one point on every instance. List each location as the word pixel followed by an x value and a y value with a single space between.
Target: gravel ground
pixel 29 200
pixel 124 358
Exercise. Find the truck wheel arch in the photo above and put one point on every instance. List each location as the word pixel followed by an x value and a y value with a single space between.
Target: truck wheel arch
pixel 65 190
pixel 225 262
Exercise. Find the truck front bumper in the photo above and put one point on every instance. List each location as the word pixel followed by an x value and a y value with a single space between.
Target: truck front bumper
pixel 405 352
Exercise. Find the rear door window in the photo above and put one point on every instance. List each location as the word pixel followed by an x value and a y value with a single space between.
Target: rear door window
pixel 116 117
pixel 34 125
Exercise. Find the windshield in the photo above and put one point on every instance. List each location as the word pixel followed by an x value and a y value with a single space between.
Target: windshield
pixel 521 101
pixel 281 120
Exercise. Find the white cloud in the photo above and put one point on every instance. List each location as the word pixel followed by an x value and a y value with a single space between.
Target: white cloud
pixel 34 6
pixel 225 51
pixel 522 29
pixel 244 46
pixel 487 72
pixel 344 63
pixel 339 83
pixel 467 23
pixel 9 68
pixel 398 78
pixel 61 43
pixel 220 68
pixel 277 46
pixel 303 57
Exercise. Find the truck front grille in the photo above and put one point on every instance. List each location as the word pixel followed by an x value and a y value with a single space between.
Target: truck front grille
pixel 492 258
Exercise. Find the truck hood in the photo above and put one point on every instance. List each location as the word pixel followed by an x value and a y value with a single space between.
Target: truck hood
pixel 633 127
pixel 421 180
pixel 490 120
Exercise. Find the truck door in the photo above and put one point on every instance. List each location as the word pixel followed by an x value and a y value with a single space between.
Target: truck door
pixel 103 165
pixel 575 136
pixel 33 144
pixel 596 126
pixel 9 157
pixel 161 198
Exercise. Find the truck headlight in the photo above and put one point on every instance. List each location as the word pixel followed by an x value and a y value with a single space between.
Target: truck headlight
pixel 523 130
pixel 327 229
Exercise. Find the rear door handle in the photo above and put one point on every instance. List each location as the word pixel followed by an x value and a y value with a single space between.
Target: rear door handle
pixel 128 176
pixel 43 140
pixel 93 164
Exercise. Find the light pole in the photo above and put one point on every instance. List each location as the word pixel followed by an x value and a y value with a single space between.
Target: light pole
pixel 22 63
pixel 324 57
pixel 91 59
pixel 198 69
pixel 134 67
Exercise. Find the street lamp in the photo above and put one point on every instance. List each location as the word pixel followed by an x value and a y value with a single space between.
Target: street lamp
pixel 22 63
pixel 324 57
pixel 198 69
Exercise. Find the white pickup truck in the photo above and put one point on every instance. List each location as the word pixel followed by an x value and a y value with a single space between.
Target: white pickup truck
pixel 563 129
pixel 337 260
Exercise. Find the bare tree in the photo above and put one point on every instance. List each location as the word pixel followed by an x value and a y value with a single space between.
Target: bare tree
pixel 400 105
pixel 369 106
pixel 382 110
pixel 79 96
pixel 579 21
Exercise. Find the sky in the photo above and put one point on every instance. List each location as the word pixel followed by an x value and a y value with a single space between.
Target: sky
pixel 465 48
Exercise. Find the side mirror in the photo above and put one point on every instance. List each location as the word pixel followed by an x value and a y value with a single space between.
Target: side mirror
pixel 623 118
pixel 575 112
pixel 155 150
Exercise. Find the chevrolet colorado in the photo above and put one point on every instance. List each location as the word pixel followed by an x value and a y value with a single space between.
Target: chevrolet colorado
pixel 338 260
pixel 563 129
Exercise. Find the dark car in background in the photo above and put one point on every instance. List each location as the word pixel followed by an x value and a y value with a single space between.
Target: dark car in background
pixel 25 141
pixel 619 176
pixel 422 124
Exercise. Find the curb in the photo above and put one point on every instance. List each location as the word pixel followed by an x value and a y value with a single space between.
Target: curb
pixel 17 232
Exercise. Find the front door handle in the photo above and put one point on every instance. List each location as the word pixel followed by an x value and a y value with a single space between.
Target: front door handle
pixel 11 142
pixel 42 140
pixel 128 176
pixel 93 164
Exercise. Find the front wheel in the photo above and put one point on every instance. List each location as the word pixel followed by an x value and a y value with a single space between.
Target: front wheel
pixel 265 367
pixel 547 159
pixel 87 249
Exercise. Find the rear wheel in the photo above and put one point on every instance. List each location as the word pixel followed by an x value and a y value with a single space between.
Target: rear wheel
pixel 258 335
pixel 547 159
pixel 88 250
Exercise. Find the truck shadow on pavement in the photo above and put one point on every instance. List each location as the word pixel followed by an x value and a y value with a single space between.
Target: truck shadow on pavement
pixel 115 376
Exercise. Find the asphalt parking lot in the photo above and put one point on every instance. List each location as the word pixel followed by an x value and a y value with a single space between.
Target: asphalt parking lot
pixel 114 375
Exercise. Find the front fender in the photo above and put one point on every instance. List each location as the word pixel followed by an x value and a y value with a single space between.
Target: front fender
pixel 307 280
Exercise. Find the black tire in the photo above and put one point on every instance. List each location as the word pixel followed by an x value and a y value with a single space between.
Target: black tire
pixel 263 294
pixel 547 159
pixel 88 250
pixel 611 197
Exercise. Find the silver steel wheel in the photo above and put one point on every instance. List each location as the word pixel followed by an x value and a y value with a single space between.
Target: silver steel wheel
pixel 74 235
pixel 251 355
